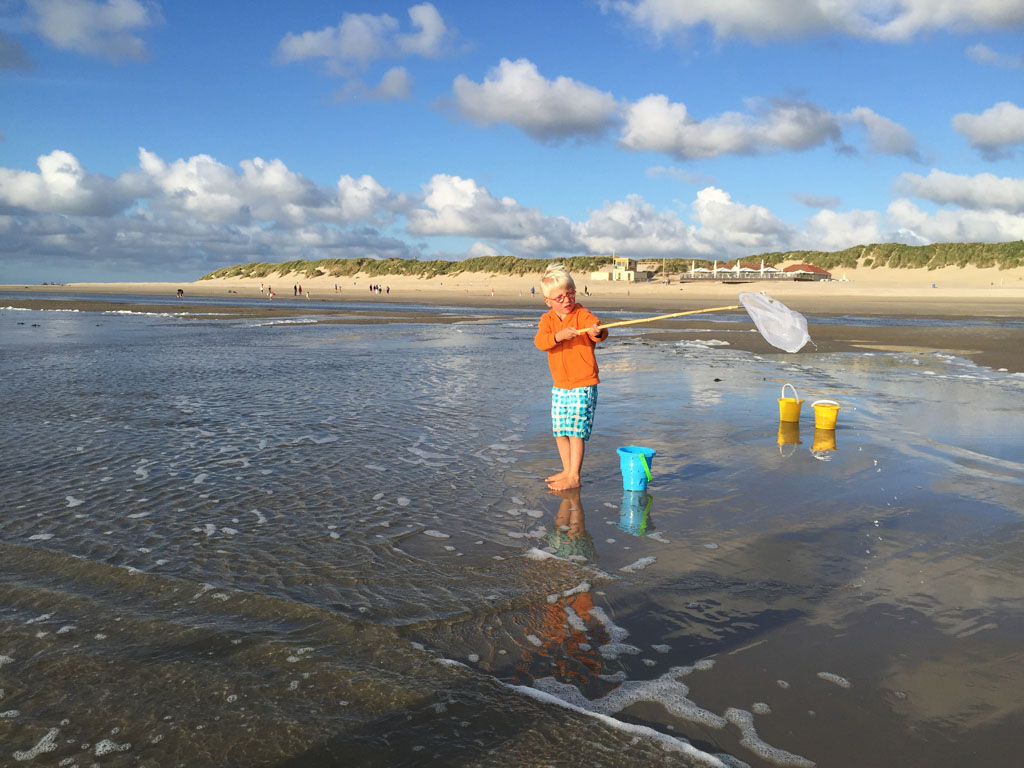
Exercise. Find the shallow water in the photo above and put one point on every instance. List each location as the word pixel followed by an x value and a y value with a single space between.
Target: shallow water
pixel 227 543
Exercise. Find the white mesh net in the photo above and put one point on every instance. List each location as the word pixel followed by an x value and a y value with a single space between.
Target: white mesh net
pixel 778 324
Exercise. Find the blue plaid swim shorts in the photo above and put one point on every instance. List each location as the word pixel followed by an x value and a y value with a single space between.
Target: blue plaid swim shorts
pixel 572 411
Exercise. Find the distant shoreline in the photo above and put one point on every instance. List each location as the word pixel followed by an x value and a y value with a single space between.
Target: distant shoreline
pixel 972 306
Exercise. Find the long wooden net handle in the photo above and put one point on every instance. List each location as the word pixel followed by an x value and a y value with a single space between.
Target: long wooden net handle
pixel 666 317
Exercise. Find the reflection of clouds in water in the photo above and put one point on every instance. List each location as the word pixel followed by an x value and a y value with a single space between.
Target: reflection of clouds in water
pixel 960 686
pixel 706 394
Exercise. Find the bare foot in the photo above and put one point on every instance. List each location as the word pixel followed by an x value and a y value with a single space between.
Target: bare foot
pixel 556 477
pixel 565 483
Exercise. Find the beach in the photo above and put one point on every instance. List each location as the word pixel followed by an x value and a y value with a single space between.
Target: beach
pixel 950 291
pixel 314 533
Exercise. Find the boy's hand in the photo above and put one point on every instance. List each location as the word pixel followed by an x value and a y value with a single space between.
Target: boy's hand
pixel 566 333
pixel 595 331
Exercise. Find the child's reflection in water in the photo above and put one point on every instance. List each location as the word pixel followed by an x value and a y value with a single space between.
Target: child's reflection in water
pixel 562 638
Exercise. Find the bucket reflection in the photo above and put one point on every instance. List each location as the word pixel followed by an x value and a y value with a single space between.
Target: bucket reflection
pixel 789 435
pixel 824 444
pixel 635 513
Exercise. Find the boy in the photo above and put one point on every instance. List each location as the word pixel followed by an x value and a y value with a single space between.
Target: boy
pixel 568 334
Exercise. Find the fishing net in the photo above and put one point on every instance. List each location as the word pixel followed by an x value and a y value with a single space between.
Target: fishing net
pixel 778 324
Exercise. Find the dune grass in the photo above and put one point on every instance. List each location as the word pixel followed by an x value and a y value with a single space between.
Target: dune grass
pixel 896 255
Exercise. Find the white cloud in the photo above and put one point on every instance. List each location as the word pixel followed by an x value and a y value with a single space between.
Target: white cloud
pixel 429 41
pixel 187 217
pixel 984 55
pixel 198 214
pixel 958 225
pixel 995 131
pixel 980 192
pixel 655 124
pixel 198 189
pixel 636 227
pixel 889 21
pixel 359 39
pixel 478 249
pixel 835 231
pixel 456 206
pixel 514 92
pixel 885 136
pixel 362 38
pixel 90 26
pixel 753 227
pixel 362 199
pixel 395 85
pixel 62 186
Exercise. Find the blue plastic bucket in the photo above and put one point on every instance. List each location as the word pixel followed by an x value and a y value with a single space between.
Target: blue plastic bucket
pixel 635 463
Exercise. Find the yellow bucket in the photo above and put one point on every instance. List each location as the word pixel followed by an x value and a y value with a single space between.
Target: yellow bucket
pixel 825 413
pixel 789 407
pixel 824 440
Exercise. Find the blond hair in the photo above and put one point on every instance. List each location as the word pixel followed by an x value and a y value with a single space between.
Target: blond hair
pixel 556 277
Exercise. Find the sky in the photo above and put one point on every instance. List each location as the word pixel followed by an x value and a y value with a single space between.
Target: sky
pixel 144 140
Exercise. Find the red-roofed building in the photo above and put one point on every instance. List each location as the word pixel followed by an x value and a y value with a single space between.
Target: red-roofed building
pixel 807 272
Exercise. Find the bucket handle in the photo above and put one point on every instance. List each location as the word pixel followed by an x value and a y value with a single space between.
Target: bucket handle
pixel 825 402
pixel 795 395
pixel 647 470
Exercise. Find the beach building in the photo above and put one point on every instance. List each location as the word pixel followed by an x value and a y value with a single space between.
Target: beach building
pixel 699 273
pixel 806 272
pixel 622 268
pixel 723 272
pixel 740 271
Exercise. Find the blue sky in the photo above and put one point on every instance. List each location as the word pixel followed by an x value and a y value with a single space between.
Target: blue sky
pixel 160 141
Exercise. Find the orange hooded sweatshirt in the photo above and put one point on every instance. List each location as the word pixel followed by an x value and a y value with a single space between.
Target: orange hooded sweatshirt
pixel 572 362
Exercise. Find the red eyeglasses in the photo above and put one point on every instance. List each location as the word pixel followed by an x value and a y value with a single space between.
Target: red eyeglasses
pixel 567 296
